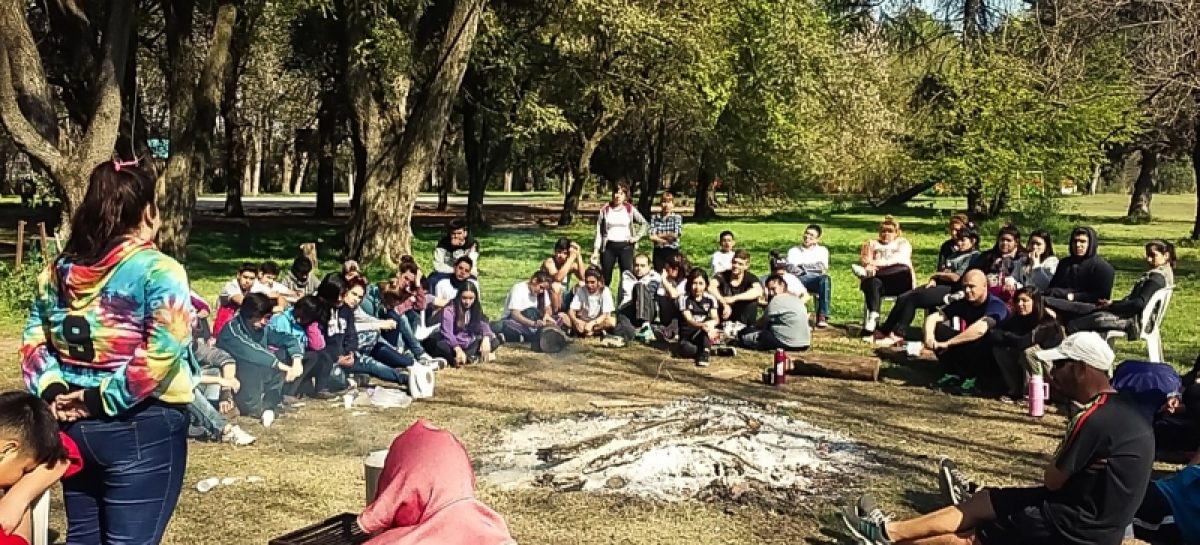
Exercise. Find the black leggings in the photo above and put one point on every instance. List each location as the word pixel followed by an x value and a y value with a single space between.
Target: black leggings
pixel 1099 321
pixel 906 306
pixel 615 252
pixel 317 366
pixel 893 281
pixel 1150 522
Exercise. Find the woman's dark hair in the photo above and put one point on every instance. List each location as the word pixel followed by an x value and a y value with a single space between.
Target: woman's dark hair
pixel 332 288
pixel 26 419
pixel 1045 236
pixel 269 267
pixel 692 276
pixel 117 196
pixel 255 306
pixel 1163 247
pixel 563 244
pixel 1039 306
pixel 308 309
pixel 301 266
pixel 409 266
pixel 467 318
pixel 1012 231
pixel 622 187
pixel 357 281
pixel 969 232
pixel 679 261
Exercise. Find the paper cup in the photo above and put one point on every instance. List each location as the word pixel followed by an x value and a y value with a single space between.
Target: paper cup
pixel 207 484
pixel 913 348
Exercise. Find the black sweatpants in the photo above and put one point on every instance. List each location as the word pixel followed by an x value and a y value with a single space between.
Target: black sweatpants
pixel 692 342
pixel 745 312
pixel 1150 522
pixel 894 281
pixel 906 307
pixel 317 366
pixel 262 389
pixel 1066 310
pixel 964 360
pixel 620 253
pixel 1099 321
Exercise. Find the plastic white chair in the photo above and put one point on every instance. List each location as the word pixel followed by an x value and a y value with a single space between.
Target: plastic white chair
pixel 1151 320
pixel 40 520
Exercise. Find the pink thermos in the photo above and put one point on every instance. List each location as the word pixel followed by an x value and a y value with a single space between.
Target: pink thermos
pixel 781 367
pixel 1039 392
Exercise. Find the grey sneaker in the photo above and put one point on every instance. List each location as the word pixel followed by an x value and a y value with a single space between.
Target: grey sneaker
pixel 612 341
pixel 866 521
pixel 953 484
pixel 238 437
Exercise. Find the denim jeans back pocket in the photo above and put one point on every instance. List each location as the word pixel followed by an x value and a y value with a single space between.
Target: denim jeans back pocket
pixel 109 444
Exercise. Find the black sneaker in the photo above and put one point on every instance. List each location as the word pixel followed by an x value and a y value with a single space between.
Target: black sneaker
pixel 1133 330
pixel 552 340
pixel 953 484
pixel 702 358
pixel 725 351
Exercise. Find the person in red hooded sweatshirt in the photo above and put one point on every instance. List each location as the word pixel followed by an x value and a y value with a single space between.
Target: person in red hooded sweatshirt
pixel 427 495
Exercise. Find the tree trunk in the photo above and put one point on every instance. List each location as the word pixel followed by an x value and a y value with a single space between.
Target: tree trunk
pixel 194 97
pixel 705 177
pixel 581 173
pixel 260 150
pixel 476 136
pixel 1143 188
pixel 654 169
pixel 905 196
pixel 28 115
pixel 326 153
pixel 237 162
pixel 1196 161
pixel 381 228
pixel 976 205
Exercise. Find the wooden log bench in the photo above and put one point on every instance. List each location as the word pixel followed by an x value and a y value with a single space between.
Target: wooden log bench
pixel 843 366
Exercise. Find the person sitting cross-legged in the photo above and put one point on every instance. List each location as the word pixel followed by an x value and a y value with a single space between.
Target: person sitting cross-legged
pixel 956 333
pixel 592 311
pixel 528 316
pixel 302 278
pixel 738 290
pixel 217 368
pixel 674 285
pixel 1089 492
pixel 784 323
pixel 446 289
pixel 638 306
pixel 465 336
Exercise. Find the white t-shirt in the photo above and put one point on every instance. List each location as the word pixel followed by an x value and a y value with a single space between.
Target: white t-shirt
pixel 589 306
pixel 445 290
pixel 521 298
pixel 722 261
pixel 794 285
pixel 680 286
pixel 814 260
pixel 273 287
pixel 230 289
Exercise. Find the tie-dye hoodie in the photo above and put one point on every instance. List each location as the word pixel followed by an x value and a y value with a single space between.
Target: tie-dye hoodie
pixel 119 328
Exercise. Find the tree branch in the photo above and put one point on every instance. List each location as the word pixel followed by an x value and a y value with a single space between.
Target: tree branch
pixel 14 35
pixel 101 135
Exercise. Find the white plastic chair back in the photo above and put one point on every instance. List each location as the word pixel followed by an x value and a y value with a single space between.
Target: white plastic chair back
pixel 1151 320
pixel 40 520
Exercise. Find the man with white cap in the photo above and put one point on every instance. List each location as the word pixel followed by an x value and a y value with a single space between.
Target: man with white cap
pixel 1089 493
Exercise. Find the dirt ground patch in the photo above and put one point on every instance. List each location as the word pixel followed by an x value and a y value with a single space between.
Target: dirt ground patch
pixel 312 463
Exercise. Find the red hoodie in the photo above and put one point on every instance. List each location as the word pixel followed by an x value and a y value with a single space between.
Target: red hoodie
pixel 427 495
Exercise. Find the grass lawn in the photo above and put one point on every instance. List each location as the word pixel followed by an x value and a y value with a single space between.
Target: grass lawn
pixel 312 462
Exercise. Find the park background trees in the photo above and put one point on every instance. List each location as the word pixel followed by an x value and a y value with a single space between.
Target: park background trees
pixel 719 101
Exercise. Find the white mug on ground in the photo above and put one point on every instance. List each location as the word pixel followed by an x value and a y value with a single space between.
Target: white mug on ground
pixel 913 348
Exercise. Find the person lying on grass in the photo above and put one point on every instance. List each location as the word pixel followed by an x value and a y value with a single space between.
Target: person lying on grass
pixel 591 312
pixel 1089 492
pixel 34 455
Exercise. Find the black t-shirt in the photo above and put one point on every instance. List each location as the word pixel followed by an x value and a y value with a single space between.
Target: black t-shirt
pixel 1108 452
pixel 726 287
pixel 993 309
pixel 699 310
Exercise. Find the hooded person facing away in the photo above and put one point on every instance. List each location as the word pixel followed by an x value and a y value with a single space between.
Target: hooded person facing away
pixel 427 495
pixel 1082 280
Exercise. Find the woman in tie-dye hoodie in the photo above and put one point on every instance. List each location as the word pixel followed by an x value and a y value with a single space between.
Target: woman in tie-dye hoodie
pixel 107 345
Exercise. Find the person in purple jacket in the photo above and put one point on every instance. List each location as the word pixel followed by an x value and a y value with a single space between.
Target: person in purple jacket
pixel 466 336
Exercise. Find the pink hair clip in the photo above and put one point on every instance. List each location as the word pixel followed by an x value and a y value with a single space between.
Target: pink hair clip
pixel 118 164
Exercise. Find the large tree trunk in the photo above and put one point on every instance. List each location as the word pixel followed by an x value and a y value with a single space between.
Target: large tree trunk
pixel 286 166
pixel 237 162
pixel 194 96
pixel 976 204
pixel 476 139
pixel 705 177
pixel 906 195
pixel 28 114
pixel 1143 188
pixel 1196 162
pixel 326 153
pixel 381 228
pixel 654 169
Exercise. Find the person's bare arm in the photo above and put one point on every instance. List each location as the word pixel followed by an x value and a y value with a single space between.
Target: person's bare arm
pixel 930 326
pixel 751 294
pixel 1053 478
pixel 20 496
pixel 971 334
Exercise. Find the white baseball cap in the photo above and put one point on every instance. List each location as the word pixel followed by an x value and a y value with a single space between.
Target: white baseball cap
pixel 1086 346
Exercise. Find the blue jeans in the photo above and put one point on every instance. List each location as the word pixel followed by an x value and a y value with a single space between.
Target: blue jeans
pixel 207 421
pixel 133 468
pixel 403 335
pixel 370 366
pixel 822 288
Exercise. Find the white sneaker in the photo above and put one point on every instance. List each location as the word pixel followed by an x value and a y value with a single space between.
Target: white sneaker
pixel 423 332
pixel 268 418
pixel 238 437
pixel 871 321
pixel 424 357
pixel 859 271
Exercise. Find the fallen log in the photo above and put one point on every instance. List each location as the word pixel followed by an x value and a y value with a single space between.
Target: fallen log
pixel 843 366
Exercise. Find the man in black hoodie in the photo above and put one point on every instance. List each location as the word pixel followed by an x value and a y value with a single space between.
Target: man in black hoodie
pixel 1081 280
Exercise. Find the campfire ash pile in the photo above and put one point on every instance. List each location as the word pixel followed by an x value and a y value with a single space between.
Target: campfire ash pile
pixel 707 448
